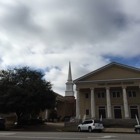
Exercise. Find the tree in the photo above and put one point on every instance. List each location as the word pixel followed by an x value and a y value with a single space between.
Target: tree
pixel 24 91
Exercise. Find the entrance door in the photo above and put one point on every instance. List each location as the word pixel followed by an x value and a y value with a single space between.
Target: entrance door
pixel 102 111
pixel 134 112
pixel 117 112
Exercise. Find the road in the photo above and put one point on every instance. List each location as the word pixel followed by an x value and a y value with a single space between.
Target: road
pixel 14 135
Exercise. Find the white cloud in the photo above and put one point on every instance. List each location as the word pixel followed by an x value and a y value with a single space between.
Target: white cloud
pixel 48 34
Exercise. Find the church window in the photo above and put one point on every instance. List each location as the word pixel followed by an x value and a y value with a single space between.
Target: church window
pixel 116 94
pixel 87 111
pixel 132 93
pixel 86 95
pixel 101 95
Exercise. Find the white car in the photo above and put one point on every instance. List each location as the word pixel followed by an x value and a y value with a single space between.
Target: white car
pixel 137 129
pixel 90 125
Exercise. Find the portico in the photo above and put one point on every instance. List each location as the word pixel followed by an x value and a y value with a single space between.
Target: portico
pixel 111 92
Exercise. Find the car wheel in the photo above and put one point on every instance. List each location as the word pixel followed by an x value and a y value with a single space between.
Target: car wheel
pixel 89 130
pixel 79 129
pixel 138 131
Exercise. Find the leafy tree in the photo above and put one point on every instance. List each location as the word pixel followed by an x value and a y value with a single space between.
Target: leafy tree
pixel 24 91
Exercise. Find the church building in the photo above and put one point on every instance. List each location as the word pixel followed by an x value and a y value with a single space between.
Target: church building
pixel 110 92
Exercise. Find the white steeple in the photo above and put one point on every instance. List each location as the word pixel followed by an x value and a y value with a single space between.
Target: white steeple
pixel 69 74
pixel 69 85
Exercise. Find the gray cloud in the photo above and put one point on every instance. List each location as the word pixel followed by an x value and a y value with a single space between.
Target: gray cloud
pixel 90 22
pixel 48 34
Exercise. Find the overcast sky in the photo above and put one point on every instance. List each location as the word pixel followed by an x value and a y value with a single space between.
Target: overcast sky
pixel 46 34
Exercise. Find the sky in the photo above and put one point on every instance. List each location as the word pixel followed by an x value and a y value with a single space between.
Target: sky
pixel 48 34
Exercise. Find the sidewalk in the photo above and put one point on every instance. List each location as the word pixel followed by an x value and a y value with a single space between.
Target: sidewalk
pixel 59 127
pixel 119 130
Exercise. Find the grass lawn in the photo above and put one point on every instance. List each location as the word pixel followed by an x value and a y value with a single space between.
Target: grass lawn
pixel 69 129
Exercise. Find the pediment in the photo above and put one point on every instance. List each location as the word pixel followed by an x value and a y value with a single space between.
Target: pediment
pixel 110 72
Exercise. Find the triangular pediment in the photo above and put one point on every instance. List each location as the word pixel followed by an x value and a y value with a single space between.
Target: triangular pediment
pixel 110 72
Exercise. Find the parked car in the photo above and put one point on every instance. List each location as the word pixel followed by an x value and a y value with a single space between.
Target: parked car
pixel 137 129
pixel 90 125
pixel 2 124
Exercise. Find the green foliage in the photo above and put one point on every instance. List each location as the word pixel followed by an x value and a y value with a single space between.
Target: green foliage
pixel 24 91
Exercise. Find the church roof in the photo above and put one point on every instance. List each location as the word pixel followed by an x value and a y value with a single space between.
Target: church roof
pixel 106 67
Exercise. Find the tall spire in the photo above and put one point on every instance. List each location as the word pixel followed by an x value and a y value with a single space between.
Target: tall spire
pixel 69 85
pixel 69 73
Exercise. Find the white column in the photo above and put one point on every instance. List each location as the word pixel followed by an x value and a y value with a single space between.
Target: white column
pixel 125 102
pixel 46 114
pixel 77 105
pixel 109 115
pixel 92 104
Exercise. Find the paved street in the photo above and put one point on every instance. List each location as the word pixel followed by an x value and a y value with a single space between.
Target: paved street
pixel 51 131
pixel 55 127
pixel 13 135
